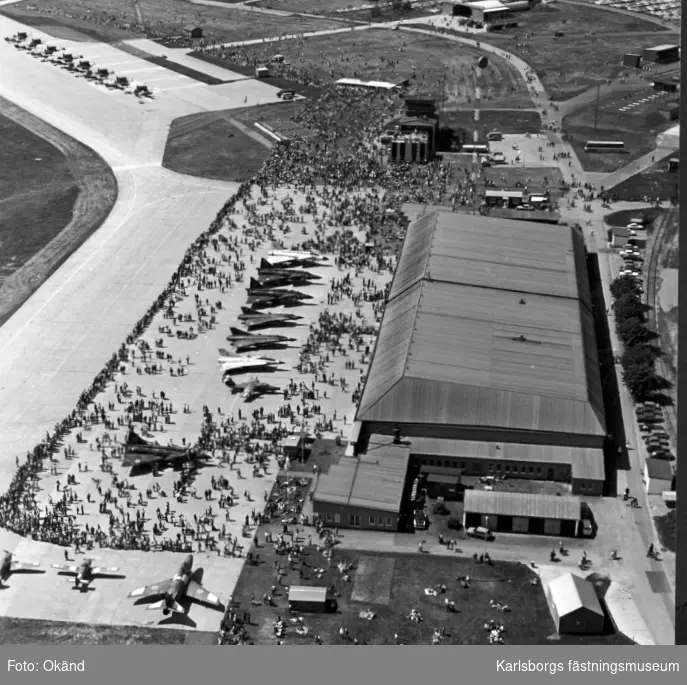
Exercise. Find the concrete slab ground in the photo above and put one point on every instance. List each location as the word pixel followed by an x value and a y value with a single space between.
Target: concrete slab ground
pixel 52 597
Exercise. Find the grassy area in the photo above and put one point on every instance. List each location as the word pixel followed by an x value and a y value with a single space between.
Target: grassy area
pixel 38 195
pixel 391 585
pixel 110 20
pixel 55 193
pixel 667 529
pixel 210 145
pixel 311 6
pixel 622 217
pixel 656 181
pixel 638 134
pixel 589 52
pixel 378 54
pixel 20 631
pixel 504 120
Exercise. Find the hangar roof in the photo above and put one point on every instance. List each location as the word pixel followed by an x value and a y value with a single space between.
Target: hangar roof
pixel 488 325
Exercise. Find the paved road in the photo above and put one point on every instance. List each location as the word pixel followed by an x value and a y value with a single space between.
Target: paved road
pixel 59 340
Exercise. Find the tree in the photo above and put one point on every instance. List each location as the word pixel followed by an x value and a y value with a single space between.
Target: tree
pixel 375 12
pixel 629 306
pixel 396 5
pixel 407 6
pixel 633 332
pixel 639 355
pixel 624 285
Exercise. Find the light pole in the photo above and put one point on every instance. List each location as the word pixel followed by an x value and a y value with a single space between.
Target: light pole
pixel 486 535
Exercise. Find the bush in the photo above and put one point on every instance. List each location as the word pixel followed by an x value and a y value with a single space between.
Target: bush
pixel 455 524
pixel 375 12
pixel 406 6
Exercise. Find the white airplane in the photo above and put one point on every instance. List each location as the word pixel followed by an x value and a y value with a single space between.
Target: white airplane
pixel 238 364
pixel 276 257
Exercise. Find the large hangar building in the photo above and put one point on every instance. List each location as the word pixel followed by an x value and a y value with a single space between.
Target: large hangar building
pixel 486 360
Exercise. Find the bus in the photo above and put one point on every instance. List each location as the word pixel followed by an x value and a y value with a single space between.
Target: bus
pixel 603 145
pixel 495 135
pixel 479 149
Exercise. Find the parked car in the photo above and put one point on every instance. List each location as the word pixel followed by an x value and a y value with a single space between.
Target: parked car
pixel 479 532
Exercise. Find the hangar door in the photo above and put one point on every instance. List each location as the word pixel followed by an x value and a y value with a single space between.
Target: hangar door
pixel 521 524
pixel 552 527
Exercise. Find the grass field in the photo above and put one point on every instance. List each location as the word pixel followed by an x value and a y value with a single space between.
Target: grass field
pixel 622 217
pixel 637 132
pixel 55 193
pixel 504 120
pixel 19 631
pixel 110 20
pixel 393 56
pixel 656 181
pixel 210 145
pixel 589 52
pixel 390 585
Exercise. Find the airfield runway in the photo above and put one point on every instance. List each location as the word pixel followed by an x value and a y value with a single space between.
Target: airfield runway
pixel 56 343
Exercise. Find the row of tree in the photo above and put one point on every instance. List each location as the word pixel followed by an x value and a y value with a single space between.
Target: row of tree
pixel 639 359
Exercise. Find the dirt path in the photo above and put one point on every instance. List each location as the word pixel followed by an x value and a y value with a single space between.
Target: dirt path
pixel 97 194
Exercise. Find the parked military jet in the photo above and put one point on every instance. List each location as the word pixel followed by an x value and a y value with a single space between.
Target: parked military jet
pixel 258 289
pixel 235 364
pixel 261 299
pixel 254 319
pixel 8 566
pixel 252 388
pixel 267 269
pixel 174 589
pixel 244 341
pixel 138 451
pixel 284 279
pixel 85 573
pixel 282 256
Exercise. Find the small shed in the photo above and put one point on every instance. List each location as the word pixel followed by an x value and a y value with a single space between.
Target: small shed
pixel 191 31
pixel 631 59
pixel 308 598
pixel 658 476
pixel 574 606
pixel 262 72
pixel 620 236
pixel 441 485
pixel 665 85
pixel 295 447
pixel 673 164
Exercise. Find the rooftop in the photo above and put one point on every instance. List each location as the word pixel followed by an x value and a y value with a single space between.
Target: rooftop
pixel 488 325
pixel 660 469
pixel 586 463
pixel 374 480
pixel 497 503
pixel 570 593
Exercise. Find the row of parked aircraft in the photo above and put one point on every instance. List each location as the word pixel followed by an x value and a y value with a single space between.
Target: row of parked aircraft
pixel 76 64
pixel 275 286
pixel 169 593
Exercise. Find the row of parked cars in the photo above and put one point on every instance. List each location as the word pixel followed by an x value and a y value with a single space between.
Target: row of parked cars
pixel 76 64
pixel 650 419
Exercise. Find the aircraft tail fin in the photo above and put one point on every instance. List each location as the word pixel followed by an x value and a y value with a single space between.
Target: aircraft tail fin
pixel 247 310
pixel 264 264
pixel 237 331
pixel 225 353
pixel 254 284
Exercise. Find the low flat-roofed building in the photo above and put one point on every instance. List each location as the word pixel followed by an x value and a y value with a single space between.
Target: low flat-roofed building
pixel 658 476
pixel 310 598
pixel 365 491
pixel 515 512
pixel 582 467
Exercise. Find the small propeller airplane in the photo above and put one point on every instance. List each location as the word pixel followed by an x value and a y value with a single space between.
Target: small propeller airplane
pixel 85 573
pixel 9 565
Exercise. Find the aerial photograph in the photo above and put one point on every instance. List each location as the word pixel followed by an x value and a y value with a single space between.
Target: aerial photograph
pixel 338 322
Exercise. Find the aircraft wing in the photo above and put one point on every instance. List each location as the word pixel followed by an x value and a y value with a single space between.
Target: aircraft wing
pixel 152 590
pixel 104 571
pixel 64 568
pixel 199 593
pixel 22 565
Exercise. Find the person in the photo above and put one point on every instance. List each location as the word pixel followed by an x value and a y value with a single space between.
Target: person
pixel 650 552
